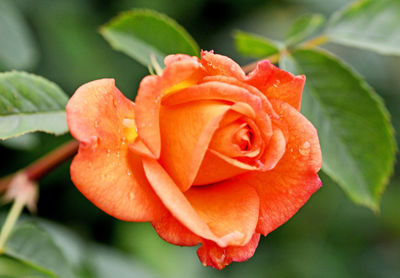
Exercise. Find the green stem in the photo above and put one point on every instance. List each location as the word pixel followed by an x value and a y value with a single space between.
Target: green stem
pixel 316 41
pixel 33 172
pixel 11 219
pixel 275 58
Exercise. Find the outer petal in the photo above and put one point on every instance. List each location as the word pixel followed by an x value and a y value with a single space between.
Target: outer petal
pixel 290 184
pixel 200 210
pixel 221 65
pixel 277 83
pixel 211 254
pixel 171 230
pixel 227 208
pixel 100 117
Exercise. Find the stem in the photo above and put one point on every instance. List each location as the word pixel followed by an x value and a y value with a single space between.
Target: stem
pixel 9 224
pixel 44 165
pixel 275 58
pixel 316 41
pixel 4 183
pixel 33 172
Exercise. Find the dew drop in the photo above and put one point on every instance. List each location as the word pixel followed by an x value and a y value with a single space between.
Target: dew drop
pixel 305 148
pixel 96 123
pixel 129 173
pixel 115 102
pixel 131 195
pixel 123 140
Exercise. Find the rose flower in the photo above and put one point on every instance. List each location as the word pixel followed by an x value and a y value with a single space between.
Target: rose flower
pixel 207 154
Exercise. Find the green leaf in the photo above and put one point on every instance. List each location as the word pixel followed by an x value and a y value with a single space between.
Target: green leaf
pixel 255 46
pixel 105 262
pixel 147 246
pixel 17 48
pixel 36 248
pixel 24 142
pixel 98 260
pixel 368 24
pixel 304 27
pixel 14 269
pixel 30 103
pixel 142 33
pixel 355 133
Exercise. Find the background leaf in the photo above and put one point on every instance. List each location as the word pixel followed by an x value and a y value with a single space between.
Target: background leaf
pixel 304 27
pixel 369 24
pixel 36 248
pixel 165 259
pixel 30 103
pixel 15 269
pixel 17 47
pixel 24 142
pixel 252 45
pixel 141 33
pixel 355 134
pixel 105 262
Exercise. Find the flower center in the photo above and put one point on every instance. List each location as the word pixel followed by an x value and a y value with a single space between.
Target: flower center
pixel 243 138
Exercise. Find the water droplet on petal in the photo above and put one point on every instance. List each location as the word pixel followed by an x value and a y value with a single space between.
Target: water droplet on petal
pixel 131 195
pixel 305 148
pixel 123 140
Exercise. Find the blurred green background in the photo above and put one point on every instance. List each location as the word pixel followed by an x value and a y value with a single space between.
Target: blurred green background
pixel 329 237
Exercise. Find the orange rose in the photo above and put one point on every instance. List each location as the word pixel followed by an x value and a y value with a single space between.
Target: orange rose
pixel 207 154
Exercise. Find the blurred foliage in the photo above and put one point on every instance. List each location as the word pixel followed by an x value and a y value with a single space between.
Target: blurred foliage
pixel 329 237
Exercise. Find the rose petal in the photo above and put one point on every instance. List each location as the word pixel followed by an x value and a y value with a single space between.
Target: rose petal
pixel 94 110
pixel 221 65
pixel 173 58
pixel 176 202
pixel 215 90
pixel 267 107
pixel 277 83
pixel 211 254
pixel 100 117
pixel 290 184
pixel 197 213
pixel 171 230
pixel 152 89
pixel 207 173
pixel 186 131
pixel 227 208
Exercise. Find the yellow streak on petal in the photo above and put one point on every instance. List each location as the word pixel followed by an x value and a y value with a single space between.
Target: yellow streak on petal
pixel 129 129
pixel 180 86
